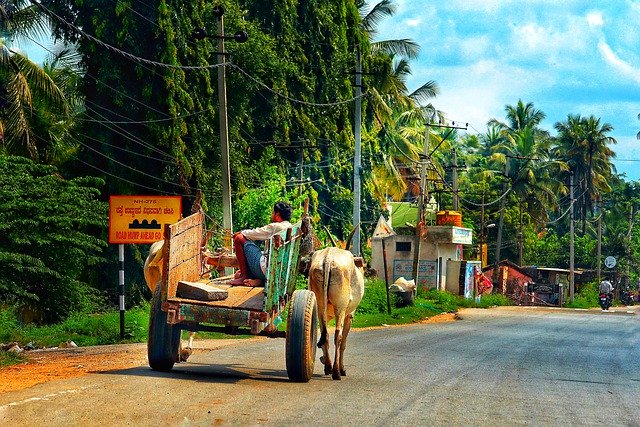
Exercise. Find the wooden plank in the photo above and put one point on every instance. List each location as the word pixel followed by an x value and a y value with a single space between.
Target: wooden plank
pixel 200 291
pixel 240 297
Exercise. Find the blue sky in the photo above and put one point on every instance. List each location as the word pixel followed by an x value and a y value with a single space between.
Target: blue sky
pixel 567 57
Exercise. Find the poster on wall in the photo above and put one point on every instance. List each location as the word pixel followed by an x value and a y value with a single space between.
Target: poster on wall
pixel 427 272
pixel 469 278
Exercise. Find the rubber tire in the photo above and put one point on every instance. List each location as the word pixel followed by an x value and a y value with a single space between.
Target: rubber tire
pixel 302 333
pixel 164 339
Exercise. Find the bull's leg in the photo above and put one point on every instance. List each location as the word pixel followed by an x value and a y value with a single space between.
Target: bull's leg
pixel 343 343
pixel 338 343
pixel 185 352
pixel 323 342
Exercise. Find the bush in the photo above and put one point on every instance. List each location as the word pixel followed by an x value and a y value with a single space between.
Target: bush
pixel 50 242
pixel 586 297
pixel 374 299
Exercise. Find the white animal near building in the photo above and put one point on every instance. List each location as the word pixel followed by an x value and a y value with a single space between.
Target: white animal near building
pixel 153 276
pixel 339 286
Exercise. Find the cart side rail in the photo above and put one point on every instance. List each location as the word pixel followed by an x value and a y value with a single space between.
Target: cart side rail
pixel 182 259
pixel 282 266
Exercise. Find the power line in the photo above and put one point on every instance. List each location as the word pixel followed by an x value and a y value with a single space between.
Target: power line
pixel 122 52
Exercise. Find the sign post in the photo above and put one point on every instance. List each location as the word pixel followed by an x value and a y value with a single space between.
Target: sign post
pixel 382 231
pixel 121 287
pixel 139 219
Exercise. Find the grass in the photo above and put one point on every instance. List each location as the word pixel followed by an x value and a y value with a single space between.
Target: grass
pixel 104 328
pixel 8 358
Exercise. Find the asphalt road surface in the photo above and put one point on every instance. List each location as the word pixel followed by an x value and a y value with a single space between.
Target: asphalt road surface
pixel 492 367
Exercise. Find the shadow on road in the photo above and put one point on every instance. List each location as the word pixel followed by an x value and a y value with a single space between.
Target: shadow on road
pixel 222 374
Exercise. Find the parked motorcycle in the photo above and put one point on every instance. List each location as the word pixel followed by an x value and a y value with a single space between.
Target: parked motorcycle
pixel 605 301
pixel 626 297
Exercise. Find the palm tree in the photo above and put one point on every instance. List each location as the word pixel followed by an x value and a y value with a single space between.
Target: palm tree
pixel 399 116
pixel 30 96
pixel 24 85
pixel 523 150
pixel 583 144
pixel 519 117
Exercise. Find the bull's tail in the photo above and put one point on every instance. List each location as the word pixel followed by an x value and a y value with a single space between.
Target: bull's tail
pixel 326 275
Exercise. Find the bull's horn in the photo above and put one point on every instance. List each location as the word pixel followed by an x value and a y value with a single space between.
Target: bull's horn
pixel 353 232
pixel 333 241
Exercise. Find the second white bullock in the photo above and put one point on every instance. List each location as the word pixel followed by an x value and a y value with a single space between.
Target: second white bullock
pixel 339 286
pixel 153 276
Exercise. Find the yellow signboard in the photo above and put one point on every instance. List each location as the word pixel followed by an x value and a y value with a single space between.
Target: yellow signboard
pixel 141 219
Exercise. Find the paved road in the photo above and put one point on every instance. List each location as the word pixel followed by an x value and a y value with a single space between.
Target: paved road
pixel 493 367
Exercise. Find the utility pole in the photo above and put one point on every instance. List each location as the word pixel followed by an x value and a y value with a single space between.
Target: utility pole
pixel 424 193
pixel 227 220
pixel 628 251
pixel 300 175
pixel 599 255
pixel 520 239
pixel 571 241
pixel 481 252
pixel 496 262
pixel 454 180
pixel 240 37
pixel 356 158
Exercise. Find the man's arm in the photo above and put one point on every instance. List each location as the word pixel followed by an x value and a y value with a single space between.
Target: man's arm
pixel 265 232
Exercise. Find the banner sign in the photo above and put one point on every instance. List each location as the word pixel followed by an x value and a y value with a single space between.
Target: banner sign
pixel 141 219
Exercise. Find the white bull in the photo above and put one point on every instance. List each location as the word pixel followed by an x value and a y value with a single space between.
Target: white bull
pixel 339 286
pixel 153 276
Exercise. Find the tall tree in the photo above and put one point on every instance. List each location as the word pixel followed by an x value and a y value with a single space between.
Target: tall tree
pixel 584 144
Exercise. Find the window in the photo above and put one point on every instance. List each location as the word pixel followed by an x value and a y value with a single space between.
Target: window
pixel 403 246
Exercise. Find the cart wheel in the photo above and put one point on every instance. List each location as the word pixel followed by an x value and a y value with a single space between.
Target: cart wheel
pixel 302 332
pixel 164 339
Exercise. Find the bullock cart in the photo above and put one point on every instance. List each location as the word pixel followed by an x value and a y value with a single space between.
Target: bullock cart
pixel 188 299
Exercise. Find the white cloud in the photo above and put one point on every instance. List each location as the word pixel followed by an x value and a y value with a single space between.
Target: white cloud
pixel 617 63
pixel 595 19
pixel 414 22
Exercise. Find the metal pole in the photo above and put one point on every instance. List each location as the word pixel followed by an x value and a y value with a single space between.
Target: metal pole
pixel 454 180
pixel 356 158
pixel 482 233
pixel 628 250
pixel 500 224
pixel 386 275
pixel 424 194
pixel 227 220
pixel 599 256
pixel 571 242
pixel 121 287
pixel 520 239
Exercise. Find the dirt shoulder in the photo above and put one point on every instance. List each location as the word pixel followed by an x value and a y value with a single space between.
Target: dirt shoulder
pixel 54 364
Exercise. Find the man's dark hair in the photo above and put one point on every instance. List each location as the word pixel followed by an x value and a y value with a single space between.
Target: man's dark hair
pixel 284 209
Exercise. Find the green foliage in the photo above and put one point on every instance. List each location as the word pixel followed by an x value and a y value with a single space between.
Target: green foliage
pixel 586 297
pixel 49 239
pixel 8 358
pixel 374 299
pixel 83 329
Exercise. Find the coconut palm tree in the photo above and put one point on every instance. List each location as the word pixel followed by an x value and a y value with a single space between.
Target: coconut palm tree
pixel 24 84
pixel 34 108
pixel 583 144
pixel 519 117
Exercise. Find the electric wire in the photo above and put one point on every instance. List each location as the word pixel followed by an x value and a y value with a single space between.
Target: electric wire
pixel 122 52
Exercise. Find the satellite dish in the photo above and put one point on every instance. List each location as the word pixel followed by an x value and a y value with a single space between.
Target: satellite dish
pixel 609 262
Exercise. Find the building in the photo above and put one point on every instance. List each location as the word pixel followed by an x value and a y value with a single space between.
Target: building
pixel 440 249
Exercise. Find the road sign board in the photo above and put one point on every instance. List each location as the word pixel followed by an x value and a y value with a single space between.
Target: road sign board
pixel 141 219
pixel 609 262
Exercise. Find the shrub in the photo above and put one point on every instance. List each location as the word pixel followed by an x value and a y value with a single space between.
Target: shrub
pixel 374 299
pixel 586 297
